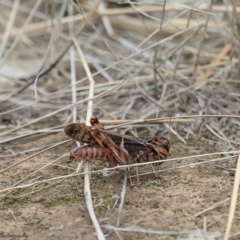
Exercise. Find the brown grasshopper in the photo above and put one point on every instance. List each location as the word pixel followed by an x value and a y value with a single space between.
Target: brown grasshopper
pixel 118 149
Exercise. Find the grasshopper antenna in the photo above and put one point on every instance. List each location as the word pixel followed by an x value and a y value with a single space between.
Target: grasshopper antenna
pixel 170 129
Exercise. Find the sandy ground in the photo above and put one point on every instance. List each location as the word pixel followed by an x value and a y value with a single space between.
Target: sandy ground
pixel 168 201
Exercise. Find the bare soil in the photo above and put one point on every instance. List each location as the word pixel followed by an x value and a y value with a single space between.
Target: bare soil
pixel 166 201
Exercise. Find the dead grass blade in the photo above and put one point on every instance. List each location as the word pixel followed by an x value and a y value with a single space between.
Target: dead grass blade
pixel 87 189
pixel 233 201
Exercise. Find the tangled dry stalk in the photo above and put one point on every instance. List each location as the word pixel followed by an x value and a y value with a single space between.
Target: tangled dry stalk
pixel 169 68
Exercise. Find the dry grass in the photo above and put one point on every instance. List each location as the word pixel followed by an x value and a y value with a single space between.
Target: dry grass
pixel 150 69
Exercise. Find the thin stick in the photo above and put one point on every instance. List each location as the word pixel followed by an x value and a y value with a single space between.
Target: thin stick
pixel 233 200
pixel 9 26
pixel 175 133
pixel 201 42
pixel 123 194
pixel 138 229
pixel 87 189
pixel 211 208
